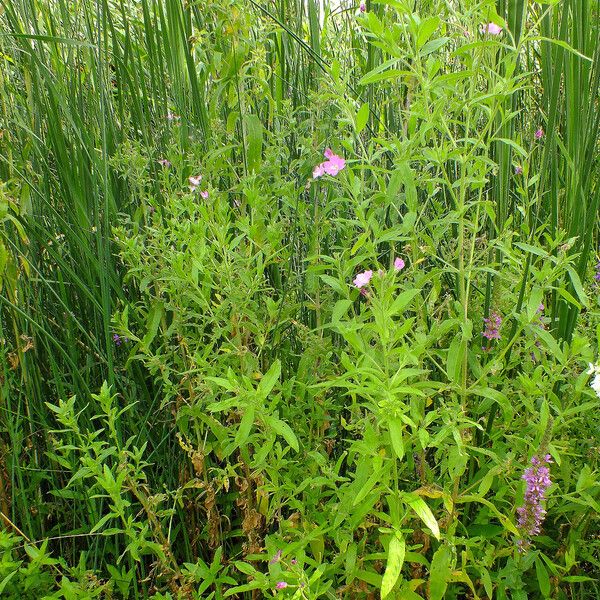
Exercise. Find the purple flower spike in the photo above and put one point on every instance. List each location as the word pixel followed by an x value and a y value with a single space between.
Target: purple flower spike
pixel 539 134
pixel 492 326
pixel 532 513
pixel 276 557
pixel 117 339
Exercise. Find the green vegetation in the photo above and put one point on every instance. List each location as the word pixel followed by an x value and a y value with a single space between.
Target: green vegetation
pixel 299 301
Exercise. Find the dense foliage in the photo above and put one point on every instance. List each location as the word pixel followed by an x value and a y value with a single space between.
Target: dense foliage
pixel 299 300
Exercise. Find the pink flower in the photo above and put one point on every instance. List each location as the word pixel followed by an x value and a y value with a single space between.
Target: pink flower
pixel 332 166
pixel 491 28
pixel 163 162
pixel 281 585
pixel 399 264
pixel 194 182
pixel 518 170
pixel 362 7
pixel 318 171
pixel 539 134
pixel 362 279
pixel 204 194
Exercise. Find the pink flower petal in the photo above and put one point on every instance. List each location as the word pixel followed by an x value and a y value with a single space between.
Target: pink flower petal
pixel 362 279
pixel 318 171
pixel 399 264
pixel 491 28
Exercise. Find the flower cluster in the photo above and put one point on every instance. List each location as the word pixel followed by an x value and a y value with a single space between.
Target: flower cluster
pixel 539 134
pixel 532 513
pixel 595 371
pixel 118 340
pixel 194 183
pixel 597 274
pixel 332 166
pixel 362 280
pixel 492 326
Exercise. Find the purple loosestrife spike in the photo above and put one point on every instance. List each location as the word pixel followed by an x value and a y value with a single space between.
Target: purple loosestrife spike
pixel 539 134
pixel 362 7
pixel 597 275
pixel 492 326
pixel 117 339
pixel 276 557
pixel 531 513
pixel 518 170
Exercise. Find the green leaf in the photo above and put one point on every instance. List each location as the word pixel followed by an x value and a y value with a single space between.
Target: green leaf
pixel 245 426
pixel 335 284
pixel 269 380
pixel 284 430
pixel 434 45
pixel 453 360
pixel 403 300
pixel 516 147
pixel 394 564
pixel 403 175
pixel 423 512
pixel 439 573
pixel 578 287
pixel 542 577
pixel 340 308
pixel 426 29
pixel 153 321
pixel 254 131
pixel 396 427
pixel 362 117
